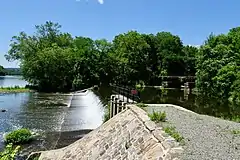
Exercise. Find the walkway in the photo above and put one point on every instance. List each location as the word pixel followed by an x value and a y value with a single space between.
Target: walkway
pixel 206 138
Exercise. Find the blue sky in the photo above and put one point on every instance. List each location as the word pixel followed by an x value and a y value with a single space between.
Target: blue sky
pixel 192 20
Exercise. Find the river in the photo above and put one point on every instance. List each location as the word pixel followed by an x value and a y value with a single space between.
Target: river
pixel 59 118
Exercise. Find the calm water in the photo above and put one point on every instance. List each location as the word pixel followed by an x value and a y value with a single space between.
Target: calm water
pixel 50 114
pixel 9 81
pixel 198 104
pixel 60 125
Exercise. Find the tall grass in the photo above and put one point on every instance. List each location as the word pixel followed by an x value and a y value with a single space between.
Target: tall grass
pixel 14 89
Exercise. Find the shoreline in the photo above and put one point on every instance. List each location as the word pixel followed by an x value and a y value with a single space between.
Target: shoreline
pixel 9 91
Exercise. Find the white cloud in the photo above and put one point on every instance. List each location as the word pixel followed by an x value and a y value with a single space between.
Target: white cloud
pixel 100 1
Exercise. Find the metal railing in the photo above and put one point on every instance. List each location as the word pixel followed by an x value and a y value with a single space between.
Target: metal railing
pixel 121 96
pixel 125 93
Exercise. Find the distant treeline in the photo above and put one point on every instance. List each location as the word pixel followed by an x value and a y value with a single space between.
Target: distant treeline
pixel 9 71
pixel 13 71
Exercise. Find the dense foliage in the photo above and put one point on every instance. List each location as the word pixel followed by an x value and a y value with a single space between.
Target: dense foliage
pixel 2 71
pixel 55 61
pixel 218 66
pixel 19 136
pixel 9 153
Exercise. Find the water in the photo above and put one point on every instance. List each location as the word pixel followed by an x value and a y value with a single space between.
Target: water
pixel 62 118
pixel 198 104
pixel 10 81
pixel 59 118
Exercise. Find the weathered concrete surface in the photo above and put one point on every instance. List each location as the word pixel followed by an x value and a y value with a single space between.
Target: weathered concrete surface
pixel 128 135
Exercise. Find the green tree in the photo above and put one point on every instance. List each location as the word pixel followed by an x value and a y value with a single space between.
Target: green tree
pixel 55 61
pixel 190 54
pixel 169 54
pixel 131 51
pixel 218 64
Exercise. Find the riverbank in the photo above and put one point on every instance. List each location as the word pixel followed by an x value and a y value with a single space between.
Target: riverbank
pixel 205 137
pixel 15 89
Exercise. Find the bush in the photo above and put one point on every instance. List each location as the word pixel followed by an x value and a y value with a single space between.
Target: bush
pixel 19 136
pixel 236 132
pixel 9 152
pixel 173 133
pixel 140 86
pixel 158 116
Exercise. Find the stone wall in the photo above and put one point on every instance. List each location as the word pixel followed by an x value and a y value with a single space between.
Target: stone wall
pixel 128 135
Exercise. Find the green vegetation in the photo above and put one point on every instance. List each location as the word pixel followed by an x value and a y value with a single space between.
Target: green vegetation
pixel 158 116
pixel 55 61
pixel 140 86
pixel 9 153
pixel 19 136
pixel 106 115
pixel 15 89
pixel 218 70
pixel 173 133
pixel 235 132
pixel 2 71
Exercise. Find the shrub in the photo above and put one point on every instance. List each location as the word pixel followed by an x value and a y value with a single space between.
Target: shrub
pixel 9 152
pixel 236 132
pixel 19 136
pixel 158 116
pixel 140 86
pixel 173 133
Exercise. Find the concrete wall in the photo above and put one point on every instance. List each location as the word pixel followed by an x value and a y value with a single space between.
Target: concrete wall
pixel 128 135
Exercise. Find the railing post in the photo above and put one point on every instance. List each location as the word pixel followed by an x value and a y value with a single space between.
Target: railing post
pixel 111 105
pixel 128 90
pixel 133 97
pixel 115 106
pixel 124 104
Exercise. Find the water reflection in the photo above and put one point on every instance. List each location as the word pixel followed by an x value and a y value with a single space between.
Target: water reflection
pixel 197 103
pixel 10 81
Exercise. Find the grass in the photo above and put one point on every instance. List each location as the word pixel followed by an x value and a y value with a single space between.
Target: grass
pixel 19 136
pixel 235 132
pixel 106 115
pixel 173 133
pixel 14 89
pixel 158 116
pixel 233 118
pixel 9 153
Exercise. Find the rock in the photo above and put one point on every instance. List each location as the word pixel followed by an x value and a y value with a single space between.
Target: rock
pixel 3 110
